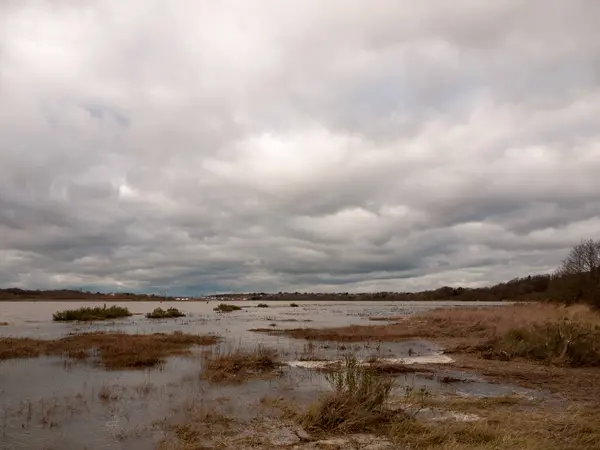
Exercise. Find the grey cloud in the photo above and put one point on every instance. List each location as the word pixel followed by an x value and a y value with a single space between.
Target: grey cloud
pixel 342 145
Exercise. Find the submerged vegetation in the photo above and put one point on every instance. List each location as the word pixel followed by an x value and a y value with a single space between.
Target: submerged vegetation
pixel 160 313
pixel 87 314
pixel 236 365
pixel 223 307
pixel 113 350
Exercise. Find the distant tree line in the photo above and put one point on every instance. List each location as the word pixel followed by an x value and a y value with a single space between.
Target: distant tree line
pixel 70 294
pixel 576 280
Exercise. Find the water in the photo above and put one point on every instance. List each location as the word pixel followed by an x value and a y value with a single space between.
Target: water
pixel 53 403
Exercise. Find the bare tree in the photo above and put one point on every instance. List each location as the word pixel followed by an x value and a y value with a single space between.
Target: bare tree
pixel 580 272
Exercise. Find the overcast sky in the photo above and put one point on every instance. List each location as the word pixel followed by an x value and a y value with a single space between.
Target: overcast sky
pixel 267 145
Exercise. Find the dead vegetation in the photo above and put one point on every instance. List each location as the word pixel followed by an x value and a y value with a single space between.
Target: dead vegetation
pixel 499 423
pixel 567 326
pixel 357 403
pixel 565 342
pixel 238 364
pixel 387 318
pixel 111 350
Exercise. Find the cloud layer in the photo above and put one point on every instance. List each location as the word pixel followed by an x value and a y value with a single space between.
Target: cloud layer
pixel 270 145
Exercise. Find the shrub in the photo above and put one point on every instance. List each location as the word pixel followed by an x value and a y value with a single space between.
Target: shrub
pixel 87 314
pixel 262 305
pixel 293 305
pixel 568 342
pixel 223 307
pixel 357 403
pixel 160 313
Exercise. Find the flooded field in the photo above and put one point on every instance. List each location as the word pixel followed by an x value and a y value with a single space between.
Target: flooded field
pixel 57 402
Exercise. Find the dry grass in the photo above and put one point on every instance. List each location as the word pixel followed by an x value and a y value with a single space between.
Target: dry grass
pixel 565 342
pixel 237 365
pixel 469 325
pixel 113 350
pixel 200 427
pixel 357 403
pixel 505 423
pixel 387 318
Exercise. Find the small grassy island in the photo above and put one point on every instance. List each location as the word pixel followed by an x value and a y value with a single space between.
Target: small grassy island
pixel 223 307
pixel 169 313
pixel 86 314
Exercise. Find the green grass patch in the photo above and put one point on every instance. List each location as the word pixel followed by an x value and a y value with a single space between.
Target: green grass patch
pixel 87 314
pixel 223 307
pixel 169 313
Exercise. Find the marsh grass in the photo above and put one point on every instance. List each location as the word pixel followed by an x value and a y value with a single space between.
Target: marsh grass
pixel 88 314
pixel 504 424
pixel 564 342
pixel 472 325
pixel 357 403
pixel 225 308
pixel 169 313
pixel 111 350
pixel 237 364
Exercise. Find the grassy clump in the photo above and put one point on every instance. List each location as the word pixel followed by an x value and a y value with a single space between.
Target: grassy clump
pixel 223 307
pixel 236 365
pixel 112 350
pixel 293 305
pixel 565 342
pixel 262 305
pixel 86 314
pixel 160 313
pixel 357 403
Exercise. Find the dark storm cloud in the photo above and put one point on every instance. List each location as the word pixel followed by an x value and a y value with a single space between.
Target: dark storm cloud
pixel 342 145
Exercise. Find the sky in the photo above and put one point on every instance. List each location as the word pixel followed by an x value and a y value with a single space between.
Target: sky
pixel 275 145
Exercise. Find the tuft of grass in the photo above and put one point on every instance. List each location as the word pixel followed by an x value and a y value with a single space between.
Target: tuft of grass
pixel 262 305
pixel 224 308
pixel 236 365
pixel 87 314
pixel 294 305
pixel 3 324
pixel 112 350
pixel 160 313
pixel 564 342
pixel 357 403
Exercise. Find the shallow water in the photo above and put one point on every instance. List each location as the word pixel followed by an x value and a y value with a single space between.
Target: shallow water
pixel 54 403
